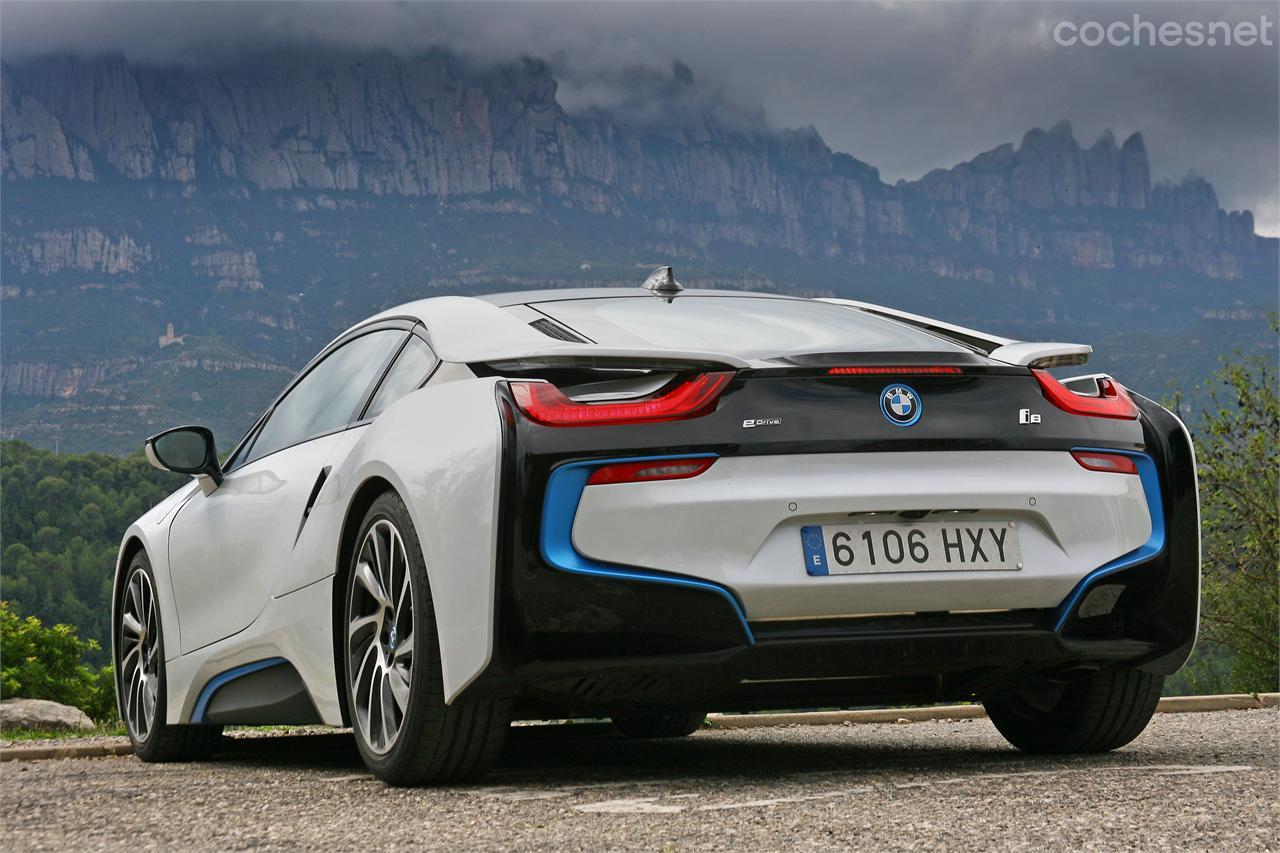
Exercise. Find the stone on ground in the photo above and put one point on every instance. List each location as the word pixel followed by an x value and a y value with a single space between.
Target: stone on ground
pixel 42 715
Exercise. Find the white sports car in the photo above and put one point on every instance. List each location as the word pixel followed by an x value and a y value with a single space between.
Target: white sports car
pixel 650 504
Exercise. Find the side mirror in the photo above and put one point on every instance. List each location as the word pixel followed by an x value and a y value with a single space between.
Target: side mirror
pixel 187 450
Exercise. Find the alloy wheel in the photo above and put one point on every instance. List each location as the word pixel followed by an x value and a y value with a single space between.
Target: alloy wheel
pixel 139 644
pixel 380 636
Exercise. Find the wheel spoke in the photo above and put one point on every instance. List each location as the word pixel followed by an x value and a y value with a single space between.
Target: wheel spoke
pixel 134 595
pixel 362 708
pixel 144 599
pixel 370 654
pixel 139 722
pixel 404 589
pixel 134 651
pixel 130 624
pixel 371 584
pixel 380 560
pixel 390 579
pixel 376 723
pixel 126 697
pixel 362 722
pixel 359 624
pixel 385 699
pixel 405 648
pixel 398 684
pixel 149 700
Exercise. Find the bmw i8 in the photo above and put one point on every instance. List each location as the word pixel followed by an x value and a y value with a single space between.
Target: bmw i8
pixel 647 504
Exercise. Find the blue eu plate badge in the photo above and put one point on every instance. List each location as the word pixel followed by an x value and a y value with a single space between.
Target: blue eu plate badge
pixel 815 552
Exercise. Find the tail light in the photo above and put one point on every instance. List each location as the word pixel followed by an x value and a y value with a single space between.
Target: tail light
pixel 895 370
pixel 1112 400
pixel 1114 463
pixel 649 471
pixel 546 404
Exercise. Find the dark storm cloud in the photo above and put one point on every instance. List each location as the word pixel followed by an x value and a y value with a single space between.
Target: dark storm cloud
pixel 906 87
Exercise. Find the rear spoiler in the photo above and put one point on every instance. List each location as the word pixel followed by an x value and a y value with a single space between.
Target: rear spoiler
pixel 1007 350
pixel 1042 355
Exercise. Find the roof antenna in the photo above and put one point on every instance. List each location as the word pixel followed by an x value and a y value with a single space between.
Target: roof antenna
pixel 662 284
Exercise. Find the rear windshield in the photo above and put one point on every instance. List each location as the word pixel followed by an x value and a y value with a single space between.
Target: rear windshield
pixel 737 325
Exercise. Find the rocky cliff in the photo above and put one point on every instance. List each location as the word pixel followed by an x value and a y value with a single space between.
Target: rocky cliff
pixel 1178 225
pixel 429 127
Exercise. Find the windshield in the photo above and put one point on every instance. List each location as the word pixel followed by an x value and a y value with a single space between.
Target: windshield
pixel 739 325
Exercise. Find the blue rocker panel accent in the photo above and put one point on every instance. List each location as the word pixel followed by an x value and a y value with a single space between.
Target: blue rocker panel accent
pixel 221 679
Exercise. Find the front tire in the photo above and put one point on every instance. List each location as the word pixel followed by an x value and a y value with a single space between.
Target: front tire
pixel 141 682
pixel 405 732
pixel 1102 712
pixel 654 726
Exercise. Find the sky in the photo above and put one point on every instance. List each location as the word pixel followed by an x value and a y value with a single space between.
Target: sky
pixel 904 86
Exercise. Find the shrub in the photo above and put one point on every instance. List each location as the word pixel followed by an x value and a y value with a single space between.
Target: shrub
pixel 38 662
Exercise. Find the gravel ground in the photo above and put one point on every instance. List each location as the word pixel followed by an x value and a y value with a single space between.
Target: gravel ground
pixel 1199 781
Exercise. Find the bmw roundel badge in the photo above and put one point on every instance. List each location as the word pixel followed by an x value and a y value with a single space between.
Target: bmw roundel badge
pixel 901 405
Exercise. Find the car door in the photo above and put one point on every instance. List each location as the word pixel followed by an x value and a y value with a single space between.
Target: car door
pixel 313 552
pixel 227 548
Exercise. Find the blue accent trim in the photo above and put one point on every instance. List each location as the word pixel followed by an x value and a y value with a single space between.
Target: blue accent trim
pixel 1153 546
pixel 218 681
pixel 564 493
pixel 884 409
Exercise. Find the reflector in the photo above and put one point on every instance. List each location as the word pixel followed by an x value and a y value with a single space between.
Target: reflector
pixel 649 470
pixel 1115 463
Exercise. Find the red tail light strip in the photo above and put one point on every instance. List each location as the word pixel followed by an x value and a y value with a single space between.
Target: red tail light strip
pixel 1114 463
pixel 546 404
pixel 894 370
pixel 649 471
pixel 1114 401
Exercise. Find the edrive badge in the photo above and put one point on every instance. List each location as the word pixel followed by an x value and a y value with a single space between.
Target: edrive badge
pixel 901 405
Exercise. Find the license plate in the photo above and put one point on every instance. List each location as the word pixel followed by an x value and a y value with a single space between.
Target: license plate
pixel 925 546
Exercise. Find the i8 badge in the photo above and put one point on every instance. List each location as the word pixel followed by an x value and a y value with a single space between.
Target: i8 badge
pixel 901 405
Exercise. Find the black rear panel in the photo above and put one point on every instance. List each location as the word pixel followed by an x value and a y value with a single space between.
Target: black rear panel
pixel 802 409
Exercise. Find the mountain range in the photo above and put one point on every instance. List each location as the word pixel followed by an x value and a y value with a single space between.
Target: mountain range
pixel 176 241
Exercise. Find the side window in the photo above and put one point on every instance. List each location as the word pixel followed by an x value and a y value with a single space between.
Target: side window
pixel 326 398
pixel 411 369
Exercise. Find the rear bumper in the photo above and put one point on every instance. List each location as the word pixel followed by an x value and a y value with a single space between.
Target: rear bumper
pixel 924 658
pixel 581 634
pixel 734 526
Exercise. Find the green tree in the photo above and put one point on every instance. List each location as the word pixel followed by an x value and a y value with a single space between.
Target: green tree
pixel 1236 447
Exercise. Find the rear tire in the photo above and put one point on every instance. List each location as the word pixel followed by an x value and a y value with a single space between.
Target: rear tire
pixel 1096 714
pixel 141 680
pixel 653 726
pixel 394 684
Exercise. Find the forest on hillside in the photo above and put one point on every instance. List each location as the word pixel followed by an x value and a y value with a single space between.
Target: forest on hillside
pixel 61 519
